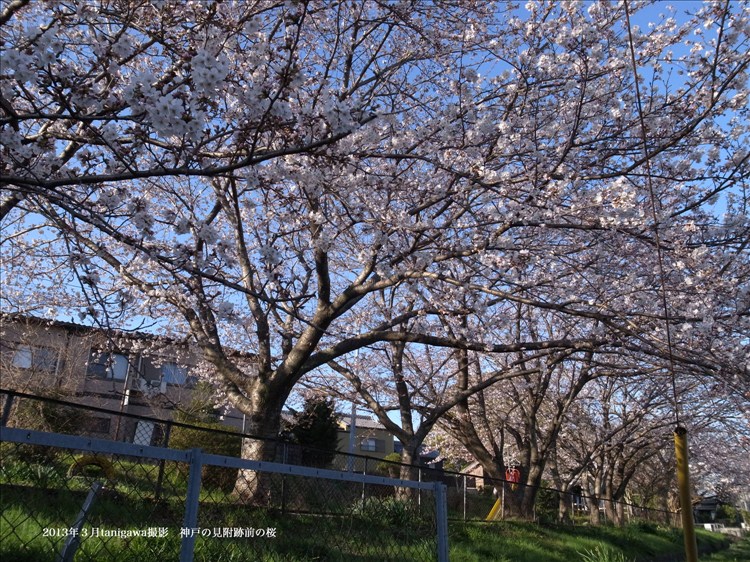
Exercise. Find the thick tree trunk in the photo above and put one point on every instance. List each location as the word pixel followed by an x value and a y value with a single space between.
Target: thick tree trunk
pixel 610 513
pixel 409 458
pixel 564 508
pixel 620 511
pixel 264 424
pixel 251 486
pixel 592 502
pixel 531 490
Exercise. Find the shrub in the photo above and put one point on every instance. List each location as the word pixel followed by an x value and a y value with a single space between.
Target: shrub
pixel 205 436
pixel 8 451
pixel 388 511
pixel 547 504
pixel 315 429
pixel 727 514
pixel 40 415
pixel 643 526
pixel 389 465
pixel 212 437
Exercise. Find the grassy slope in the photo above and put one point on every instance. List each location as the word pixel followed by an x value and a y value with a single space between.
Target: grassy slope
pixel 523 542
pixel 738 552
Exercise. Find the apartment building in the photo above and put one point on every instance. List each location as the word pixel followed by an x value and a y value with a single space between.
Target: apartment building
pixel 127 372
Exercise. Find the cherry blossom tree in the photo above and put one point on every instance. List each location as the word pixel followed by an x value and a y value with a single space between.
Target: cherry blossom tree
pixel 425 384
pixel 617 436
pixel 252 174
pixel 230 165
pixel 517 422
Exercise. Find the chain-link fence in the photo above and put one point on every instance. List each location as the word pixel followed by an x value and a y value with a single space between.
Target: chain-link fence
pixel 497 500
pixel 18 409
pixel 471 497
pixel 66 496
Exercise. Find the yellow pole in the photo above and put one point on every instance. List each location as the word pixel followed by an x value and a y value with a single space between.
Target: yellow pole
pixel 686 503
pixel 492 515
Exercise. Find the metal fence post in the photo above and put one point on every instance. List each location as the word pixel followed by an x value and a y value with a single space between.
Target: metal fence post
pixel 441 520
pixel 6 409
pixel 419 491
pixel 71 545
pixel 363 484
pixel 502 509
pixel 162 463
pixel 190 523
pixel 572 509
pixel 464 497
pixel 285 460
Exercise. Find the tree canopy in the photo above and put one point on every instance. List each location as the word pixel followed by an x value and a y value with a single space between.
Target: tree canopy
pixel 302 180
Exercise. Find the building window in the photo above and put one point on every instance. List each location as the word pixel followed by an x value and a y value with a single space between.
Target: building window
pixel 372 445
pixel 111 366
pixel 172 373
pixel 36 358
pixel 150 372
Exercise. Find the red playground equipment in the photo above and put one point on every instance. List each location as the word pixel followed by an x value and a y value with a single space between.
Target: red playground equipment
pixel 513 475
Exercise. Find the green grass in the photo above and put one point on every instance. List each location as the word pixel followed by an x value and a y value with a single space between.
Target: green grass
pixel 738 552
pixel 41 497
pixel 526 542
pixel 310 537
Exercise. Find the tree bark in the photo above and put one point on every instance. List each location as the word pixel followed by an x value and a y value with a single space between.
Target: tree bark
pixel 264 424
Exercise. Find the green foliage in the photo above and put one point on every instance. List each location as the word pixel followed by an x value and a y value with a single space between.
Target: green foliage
pixel 736 553
pixel 727 514
pixel 528 542
pixel 46 416
pixel 213 438
pixel 39 475
pixel 643 526
pixel 379 526
pixel 389 465
pixel 202 406
pixel 300 537
pixel 384 511
pixel 315 429
pixel 8 451
pixel 547 504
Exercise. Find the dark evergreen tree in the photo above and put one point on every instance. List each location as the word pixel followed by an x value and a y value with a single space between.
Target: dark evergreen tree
pixel 315 430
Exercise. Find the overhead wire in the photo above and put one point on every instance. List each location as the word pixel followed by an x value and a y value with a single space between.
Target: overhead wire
pixel 680 433
pixel 657 236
